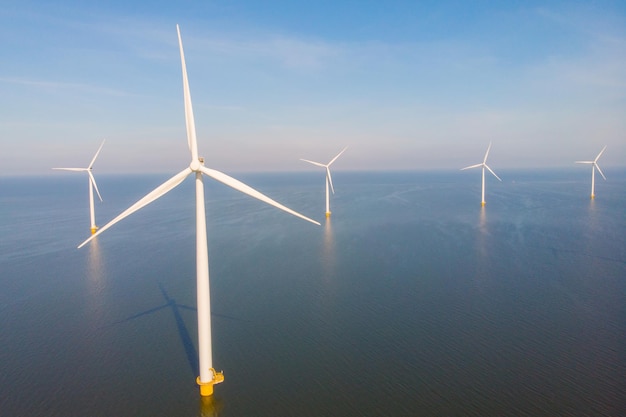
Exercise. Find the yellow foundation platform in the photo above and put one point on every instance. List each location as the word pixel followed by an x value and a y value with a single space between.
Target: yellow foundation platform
pixel 206 388
pixel 94 230
pixel 327 214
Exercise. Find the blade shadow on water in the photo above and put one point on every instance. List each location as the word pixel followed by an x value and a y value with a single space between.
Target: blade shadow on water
pixel 185 338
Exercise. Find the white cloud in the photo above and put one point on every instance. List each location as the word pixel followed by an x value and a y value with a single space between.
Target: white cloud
pixel 56 86
pixel 290 52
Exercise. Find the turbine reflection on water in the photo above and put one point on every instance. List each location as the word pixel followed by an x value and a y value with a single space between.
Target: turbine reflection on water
pixel 96 274
pixel 328 250
pixel 482 253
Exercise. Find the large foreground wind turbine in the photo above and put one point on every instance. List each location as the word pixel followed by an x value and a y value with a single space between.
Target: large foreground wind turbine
pixel 483 165
pixel 594 166
pixel 329 179
pixel 92 185
pixel 208 376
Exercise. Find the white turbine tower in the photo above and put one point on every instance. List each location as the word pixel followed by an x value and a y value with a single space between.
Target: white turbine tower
pixel 594 166
pixel 208 376
pixel 483 165
pixel 92 185
pixel 329 179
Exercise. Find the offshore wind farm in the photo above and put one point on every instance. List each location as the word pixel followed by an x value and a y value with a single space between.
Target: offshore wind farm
pixel 410 299
pixel 397 305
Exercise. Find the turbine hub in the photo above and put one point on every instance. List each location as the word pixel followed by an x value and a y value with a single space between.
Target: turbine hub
pixel 196 164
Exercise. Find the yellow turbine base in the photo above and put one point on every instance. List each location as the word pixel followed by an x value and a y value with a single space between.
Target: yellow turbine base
pixel 206 388
pixel 327 214
pixel 94 230
pixel 482 203
pixel 593 196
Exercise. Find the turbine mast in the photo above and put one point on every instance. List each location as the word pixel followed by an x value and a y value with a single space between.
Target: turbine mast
pixel 593 180
pixel 92 211
pixel 327 199
pixel 482 203
pixel 208 376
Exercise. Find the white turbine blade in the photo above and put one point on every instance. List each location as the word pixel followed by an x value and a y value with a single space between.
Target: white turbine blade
pixel 584 162
pixel 314 163
pixel 330 179
pixel 189 121
pixel 472 166
pixel 494 174
pixel 149 198
pixel 71 169
pixel 96 155
pixel 240 186
pixel 599 170
pixel 598 157
pixel 487 153
pixel 333 160
pixel 93 181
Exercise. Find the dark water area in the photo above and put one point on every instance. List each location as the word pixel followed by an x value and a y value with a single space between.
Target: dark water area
pixel 411 300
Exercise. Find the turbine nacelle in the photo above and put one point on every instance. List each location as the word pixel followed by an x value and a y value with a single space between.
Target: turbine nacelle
pixel 197 164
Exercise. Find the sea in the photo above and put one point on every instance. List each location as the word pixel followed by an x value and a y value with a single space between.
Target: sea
pixel 410 300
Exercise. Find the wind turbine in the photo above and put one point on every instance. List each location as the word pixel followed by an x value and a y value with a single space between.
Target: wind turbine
pixel 483 165
pixel 208 376
pixel 594 166
pixel 92 185
pixel 329 179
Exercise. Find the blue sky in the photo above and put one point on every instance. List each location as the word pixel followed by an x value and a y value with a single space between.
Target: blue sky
pixel 407 85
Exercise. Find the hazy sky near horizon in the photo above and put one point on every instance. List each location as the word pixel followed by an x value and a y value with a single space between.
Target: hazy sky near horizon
pixel 405 84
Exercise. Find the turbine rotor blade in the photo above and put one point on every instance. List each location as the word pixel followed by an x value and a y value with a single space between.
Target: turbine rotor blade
pixel 598 157
pixel 246 189
pixel 167 298
pixel 333 160
pixel 487 153
pixel 494 174
pixel 472 166
pixel 585 162
pixel 330 179
pixel 149 198
pixel 189 120
pixel 96 155
pixel 71 169
pixel 599 170
pixel 314 163
pixel 93 181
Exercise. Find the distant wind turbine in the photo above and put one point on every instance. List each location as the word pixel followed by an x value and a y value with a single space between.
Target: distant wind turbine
pixel 594 166
pixel 329 179
pixel 483 165
pixel 208 376
pixel 92 185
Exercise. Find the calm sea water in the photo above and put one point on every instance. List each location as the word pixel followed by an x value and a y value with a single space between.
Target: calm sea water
pixel 412 300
